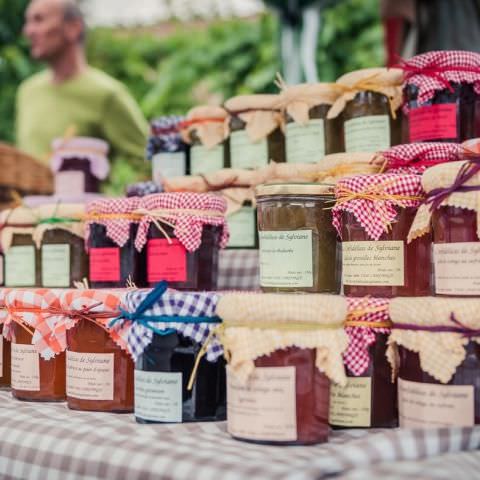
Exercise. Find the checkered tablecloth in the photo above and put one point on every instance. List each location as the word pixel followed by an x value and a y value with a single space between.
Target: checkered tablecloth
pixel 239 270
pixel 41 441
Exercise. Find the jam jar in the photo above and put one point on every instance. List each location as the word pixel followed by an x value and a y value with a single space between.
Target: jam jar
pixel 256 137
pixel 5 355
pixel 242 224
pixel 370 119
pixel 373 216
pixel 298 243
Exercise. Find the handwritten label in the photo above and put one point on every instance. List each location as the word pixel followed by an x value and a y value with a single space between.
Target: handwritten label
pixel 25 366
pixel 104 264
pixel 90 375
pixel 166 261
pixel 367 134
pixel 205 160
pixel 351 406
pixel 20 266
pixel 286 258
pixel 247 154
pixel 56 265
pixel 457 268
pixel 158 396
pixel 168 165
pixel 265 407
pixel 373 263
pixel 243 228
pixel 305 143
pixel 433 122
pixel 430 405
pixel 70 183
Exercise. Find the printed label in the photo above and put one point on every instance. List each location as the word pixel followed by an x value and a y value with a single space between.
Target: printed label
pixel 433 122
pixel 351 406
pixel 90 375
pixel 246 154
pixel 20 266
pixel 367 134
pixel 166 261
pixel 70 183
pixel 429 405
pixel 158 396
pixel 457 268
pixel 25 367
pixel 104 264
pixel 243 228
pixel 265 407
pixel 168 165
pixel 379 263
pixel 56 265
pixel 305 143
pixel 205 160
pixel 286 258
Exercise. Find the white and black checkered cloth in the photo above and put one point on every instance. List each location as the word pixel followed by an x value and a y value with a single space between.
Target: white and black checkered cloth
pixel 239 270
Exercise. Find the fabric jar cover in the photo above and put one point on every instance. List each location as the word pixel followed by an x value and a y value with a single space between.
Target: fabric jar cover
pixel 141 189
pixel 415 158
pixel 386 81
pixel 438 329
pixel 162 310
pixel 374 200
pixel 363 314
pixel 165 135
pixel 434 71
pixel 446 181
pixel 208 123
pixel 92 149
pixel 188 212
pixel 3 307
pixel 255 325
pixel 115 214
pixel 20 220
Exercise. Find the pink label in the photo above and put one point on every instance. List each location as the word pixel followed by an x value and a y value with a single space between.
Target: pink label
pixel 25 367
pixel 166 261
pixel 433 122
pixel 105 264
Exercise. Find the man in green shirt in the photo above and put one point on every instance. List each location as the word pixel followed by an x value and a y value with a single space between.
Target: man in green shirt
pixel 71 96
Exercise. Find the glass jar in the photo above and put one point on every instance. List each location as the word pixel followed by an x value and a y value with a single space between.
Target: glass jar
pixel 75 177
pixel 243 227
pixel 298 243
pixel 22 262
pixel 105 389
pixel 162 374
pixel 5 355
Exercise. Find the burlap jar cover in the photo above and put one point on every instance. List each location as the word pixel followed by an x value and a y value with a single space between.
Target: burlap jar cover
pixel 259 324
pixel 209 124
pixel 385 81
pixel 19 221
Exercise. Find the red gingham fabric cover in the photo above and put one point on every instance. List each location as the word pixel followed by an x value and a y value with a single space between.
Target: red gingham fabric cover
pixel 118 230
pixel 357 357
pixel 415 158
pixel 188 227
pixel 435 67
pixel 376 216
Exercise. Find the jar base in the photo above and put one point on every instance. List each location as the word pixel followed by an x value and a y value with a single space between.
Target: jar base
pixel 104 410
pixel 280 443
pixel 38 400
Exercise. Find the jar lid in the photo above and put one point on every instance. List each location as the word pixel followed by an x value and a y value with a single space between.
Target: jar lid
pixel 206 112
pixel 293 189
pixel 381 76
pixel 253 102
pixel 208 123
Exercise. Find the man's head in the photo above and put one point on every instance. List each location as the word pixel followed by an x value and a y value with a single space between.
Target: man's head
pixel 52 26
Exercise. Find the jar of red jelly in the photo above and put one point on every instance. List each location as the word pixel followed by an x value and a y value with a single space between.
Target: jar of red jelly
pixel 5 355
pixel 373 215
pixel 37 366
pixel 182 233
pixel 451 210
pixel 99 368
pixel 434 346
pixel 110 232
pixel 442 96
pixel 79 165
pixel 370 398
pixel 283 350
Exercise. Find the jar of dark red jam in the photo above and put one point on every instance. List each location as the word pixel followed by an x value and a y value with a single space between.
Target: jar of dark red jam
pixel 373 216
pixel 5 355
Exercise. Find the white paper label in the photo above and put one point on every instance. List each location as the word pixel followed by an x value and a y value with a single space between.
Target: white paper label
pixel 367 134
pixel 158 396
pixel 351 406
pixel 70 183
pixel 20 266
pixel 457 268
pixel 422 405
pixel 305 143
pixel 25 367
pixel 373 263
pixel 205 160
pixel 264 408
pixel 247 154
pixel 243 227
pixel 56 265
pixel 168 165
pixel 90 376
pixel 286 258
